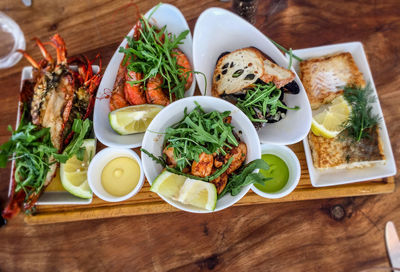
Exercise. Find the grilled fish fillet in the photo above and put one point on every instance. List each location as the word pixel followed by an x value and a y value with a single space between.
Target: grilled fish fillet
pixel 324 78
pixel 342 152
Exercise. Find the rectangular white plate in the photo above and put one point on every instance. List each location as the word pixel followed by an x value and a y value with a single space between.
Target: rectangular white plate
pixel 330 177
pixel 48 198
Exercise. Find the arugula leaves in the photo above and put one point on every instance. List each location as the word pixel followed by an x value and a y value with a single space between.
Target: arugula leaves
pixel 199 132
pixel 81 129
pixel 245 177
pixel 34 153
pixel 361 117
pixel 154 53
pixel 264 98
pixel 32 150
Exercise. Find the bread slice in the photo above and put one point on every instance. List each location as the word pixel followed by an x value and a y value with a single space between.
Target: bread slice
pixel 278 75
pixel 324 78
pixel 237 70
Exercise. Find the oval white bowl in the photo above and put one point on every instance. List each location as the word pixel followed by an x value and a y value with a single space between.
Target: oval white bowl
pixel 165 15
pixel 153 141
pixel 218 30
pixel 97 165
pixel 293 164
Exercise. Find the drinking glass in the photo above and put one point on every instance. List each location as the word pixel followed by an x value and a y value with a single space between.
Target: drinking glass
pixel 11 38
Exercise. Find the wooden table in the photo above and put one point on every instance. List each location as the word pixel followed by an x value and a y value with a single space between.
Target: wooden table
pixel 297 236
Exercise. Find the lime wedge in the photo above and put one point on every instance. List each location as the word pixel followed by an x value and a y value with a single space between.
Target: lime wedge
pixel 133 119
pixel 168 184
pixel 198 193
pixel 73 173
pixel 331 121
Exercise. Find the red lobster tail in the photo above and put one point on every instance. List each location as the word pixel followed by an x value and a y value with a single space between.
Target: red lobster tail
pixel 15 202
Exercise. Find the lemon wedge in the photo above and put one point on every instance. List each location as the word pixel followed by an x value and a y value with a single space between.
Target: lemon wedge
pixel 73 173
pixel 194 192
pixel 198 193
pixel 133 119
pixel 168 184
pixel 330 122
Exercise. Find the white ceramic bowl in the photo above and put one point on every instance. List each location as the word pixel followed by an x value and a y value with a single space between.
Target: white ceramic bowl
pixel 165 15
pixel 97 164
pixel 217 31
pixel 330 177
pixel 293 164
pixel 153 142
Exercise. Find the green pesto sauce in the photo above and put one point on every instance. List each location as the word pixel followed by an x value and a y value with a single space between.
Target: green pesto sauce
pixel 278 172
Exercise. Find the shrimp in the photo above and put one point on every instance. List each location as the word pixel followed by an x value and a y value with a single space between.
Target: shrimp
pixel 154 93
pixel 220 182
pixel 134 92
pixel 184 67
pixel 204 166
pixel 239 155
pixel 117 99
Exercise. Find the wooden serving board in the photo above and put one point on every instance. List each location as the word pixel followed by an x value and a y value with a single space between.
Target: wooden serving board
pixel 146 202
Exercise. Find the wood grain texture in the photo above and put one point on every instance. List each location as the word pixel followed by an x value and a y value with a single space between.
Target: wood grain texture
pixel 294 236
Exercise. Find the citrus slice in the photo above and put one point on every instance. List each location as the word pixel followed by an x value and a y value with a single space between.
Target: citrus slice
pixel 133 119
pixel 198 193
pixel 168 184
pixel 330 122
pixel 73 173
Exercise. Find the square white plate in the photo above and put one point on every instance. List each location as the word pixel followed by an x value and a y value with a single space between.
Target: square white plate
pixel 330 177
pixel 47 198
pixel 175 21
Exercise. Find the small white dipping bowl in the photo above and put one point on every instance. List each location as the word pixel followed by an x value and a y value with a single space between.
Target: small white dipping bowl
pixel 293 164
pixel 97 165
pixel 153 141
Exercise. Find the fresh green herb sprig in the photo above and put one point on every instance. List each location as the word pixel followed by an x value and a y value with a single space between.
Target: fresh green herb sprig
pixel 34 153
pixel 245 177
pixel 198 132
pixel 81 130
pixel 32 149
pixel 154 53
pixel 286 51
pixel 263 97
pixel 361 118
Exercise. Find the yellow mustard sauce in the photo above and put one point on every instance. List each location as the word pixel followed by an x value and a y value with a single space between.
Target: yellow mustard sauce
pixel 120 176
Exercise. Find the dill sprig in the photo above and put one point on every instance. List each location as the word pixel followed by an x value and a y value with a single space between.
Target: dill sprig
pixel 361 118
pixel 154 53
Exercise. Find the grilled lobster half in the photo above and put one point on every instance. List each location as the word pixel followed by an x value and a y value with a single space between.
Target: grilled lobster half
pixel 56 96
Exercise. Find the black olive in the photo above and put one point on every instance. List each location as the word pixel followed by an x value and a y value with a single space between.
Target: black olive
pixel 223 54
pixel 225 65
pixel 232 64
pixel 224 71
pixel 218 77
pixel 249 77
pixel 237 73
pixel 292 87
pixel 259 81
